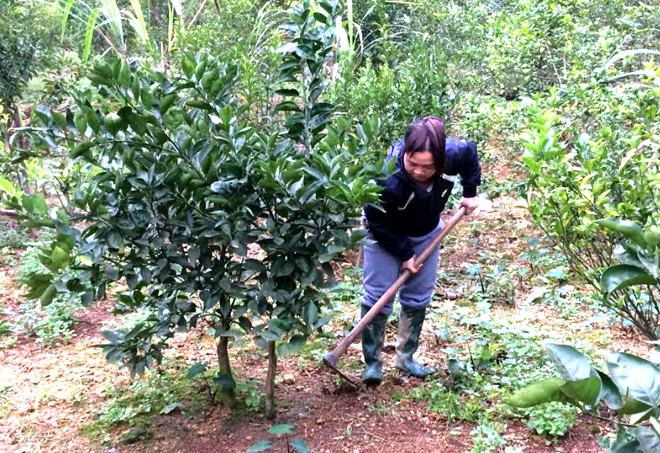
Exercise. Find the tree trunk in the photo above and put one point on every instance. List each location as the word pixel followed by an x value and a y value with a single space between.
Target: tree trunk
pixel 155 14
pixel 228 394
pixel 270 411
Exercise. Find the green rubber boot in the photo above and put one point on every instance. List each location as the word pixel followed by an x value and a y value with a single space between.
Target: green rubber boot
pixel 372 343
pixel 410 327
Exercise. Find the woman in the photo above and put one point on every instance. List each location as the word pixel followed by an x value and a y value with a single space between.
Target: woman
pixel 406 221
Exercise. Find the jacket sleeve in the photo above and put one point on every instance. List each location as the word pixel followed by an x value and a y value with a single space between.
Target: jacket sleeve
pixel 380 222
pixel 470 170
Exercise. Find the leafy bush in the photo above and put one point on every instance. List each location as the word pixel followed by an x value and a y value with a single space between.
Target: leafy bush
pixel 639 275
pixel 410 90
pixel 631 390
pixel 586 164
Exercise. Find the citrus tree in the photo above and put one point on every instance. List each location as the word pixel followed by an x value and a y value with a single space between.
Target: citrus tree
pixel 204 218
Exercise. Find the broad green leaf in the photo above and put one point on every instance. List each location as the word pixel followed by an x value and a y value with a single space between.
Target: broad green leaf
pixel 571 364
pixel 299 445
pixel 627 255
pixel 281 429
pixel 623 276
pixel 635 375
pixel 196 369
pixel 609 392
pixel 649 440
pixel 586 390
pixel 538 393
pixel 269 335
pixel 627 228
pixel 112 272
pixel 632 407
pixel 262 445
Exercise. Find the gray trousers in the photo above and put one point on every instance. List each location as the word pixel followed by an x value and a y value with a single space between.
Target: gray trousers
pixel 381 269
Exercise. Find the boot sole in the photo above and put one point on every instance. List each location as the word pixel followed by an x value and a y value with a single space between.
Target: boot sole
pixel 372 382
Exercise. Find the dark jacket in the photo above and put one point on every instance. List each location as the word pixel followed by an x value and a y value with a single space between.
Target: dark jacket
pixel 409 210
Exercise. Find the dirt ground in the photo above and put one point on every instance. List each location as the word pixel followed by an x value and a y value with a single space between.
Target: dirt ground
pixel 54 393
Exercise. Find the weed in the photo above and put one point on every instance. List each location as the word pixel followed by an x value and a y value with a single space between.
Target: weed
pixel 443 401
pixel 379 408
pixel 11 236
pixel 137 403
pixel 552 420
pixel 249 396
pixel 51 324
pixel 280 431
pixel 488 437
pixel 5 402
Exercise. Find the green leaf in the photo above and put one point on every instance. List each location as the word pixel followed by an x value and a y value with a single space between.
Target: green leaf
pixel 65 18
pixel 281 429
pixel 115 240
pixel 635 375
pixel 623 276
pixel 269 335
pixel 89 34
pixel 571 364
pixel 60 257
pixel 299 445
pixel 80 122
pixel 609 392
pixel 627 228
pixel 310 313
pixel 294 345
pixel 325 257
pixel 649 441
pixel 286 106
pixel 254 265
pixel 586 390
pixel 7 187
pixel 39 205
pixel 196 369
pixel 225 381
pixel 538 393
pixel 632 407
pixel 287 92
pixel 262 445
pixel 48 295
pixel 188 67
pixel 124 74
pixel 112 272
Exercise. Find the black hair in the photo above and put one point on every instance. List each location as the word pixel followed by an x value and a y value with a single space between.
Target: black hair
pixel 427 134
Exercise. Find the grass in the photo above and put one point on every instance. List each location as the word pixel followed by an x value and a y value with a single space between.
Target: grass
pixel 137 404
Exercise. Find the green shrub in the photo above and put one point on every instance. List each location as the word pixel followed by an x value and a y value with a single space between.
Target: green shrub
pixel 592 156
pixel 411 90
